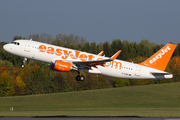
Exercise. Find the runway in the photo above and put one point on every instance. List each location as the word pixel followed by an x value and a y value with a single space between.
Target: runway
pixel 87 118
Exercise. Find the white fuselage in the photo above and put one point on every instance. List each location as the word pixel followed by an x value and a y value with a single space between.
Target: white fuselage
pixel 50 53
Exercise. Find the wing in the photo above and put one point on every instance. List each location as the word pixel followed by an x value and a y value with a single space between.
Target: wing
pixel 89 64
pixel 95 63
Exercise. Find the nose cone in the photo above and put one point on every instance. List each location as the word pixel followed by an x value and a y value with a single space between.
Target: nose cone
pixel 5 47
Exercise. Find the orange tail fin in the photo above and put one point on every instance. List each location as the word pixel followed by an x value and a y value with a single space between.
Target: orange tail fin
pixel 161 58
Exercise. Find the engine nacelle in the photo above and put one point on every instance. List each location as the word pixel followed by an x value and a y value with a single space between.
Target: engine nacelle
pixel 61 66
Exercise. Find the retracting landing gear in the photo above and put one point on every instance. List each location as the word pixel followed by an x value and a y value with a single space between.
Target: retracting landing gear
pixel 24 61
pixel 80 77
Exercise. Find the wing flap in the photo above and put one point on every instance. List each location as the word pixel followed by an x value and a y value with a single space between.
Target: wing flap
pixel 93 63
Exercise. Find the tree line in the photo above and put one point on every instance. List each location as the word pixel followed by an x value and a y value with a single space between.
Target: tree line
pixel 37 78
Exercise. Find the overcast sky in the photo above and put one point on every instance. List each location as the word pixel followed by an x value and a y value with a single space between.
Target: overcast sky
pixel 96 20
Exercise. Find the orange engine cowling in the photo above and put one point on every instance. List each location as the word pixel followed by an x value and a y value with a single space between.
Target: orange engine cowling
pixel 61 66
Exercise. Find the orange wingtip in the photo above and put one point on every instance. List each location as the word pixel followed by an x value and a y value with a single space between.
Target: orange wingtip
pixel 161 58
pixel 100 53
pixel 115 55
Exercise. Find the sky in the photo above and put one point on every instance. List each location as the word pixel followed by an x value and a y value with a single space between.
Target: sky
pixel 95 20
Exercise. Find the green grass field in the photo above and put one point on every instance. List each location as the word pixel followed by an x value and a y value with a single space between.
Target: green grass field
pixel 161 100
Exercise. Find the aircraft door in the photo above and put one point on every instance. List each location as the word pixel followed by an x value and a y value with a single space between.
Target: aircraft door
pixel 27 46
pixel 138 71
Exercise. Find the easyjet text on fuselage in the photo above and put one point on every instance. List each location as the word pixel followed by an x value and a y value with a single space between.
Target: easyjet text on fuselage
pixel 76 55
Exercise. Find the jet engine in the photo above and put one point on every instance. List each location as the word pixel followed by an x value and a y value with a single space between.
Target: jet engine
pixel 61 66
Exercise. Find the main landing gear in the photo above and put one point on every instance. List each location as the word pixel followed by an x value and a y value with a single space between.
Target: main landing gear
pixel 80 77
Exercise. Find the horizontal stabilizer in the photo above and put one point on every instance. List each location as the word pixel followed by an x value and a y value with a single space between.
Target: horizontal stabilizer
pixel 156 73
pixel 160 75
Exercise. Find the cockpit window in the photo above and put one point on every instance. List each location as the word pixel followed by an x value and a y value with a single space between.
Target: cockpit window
pixel 16 43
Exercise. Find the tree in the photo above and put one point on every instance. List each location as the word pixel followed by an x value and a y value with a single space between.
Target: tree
pixel 117 45
pixel 93 48
pixel 125 50
pixel 145 48
pixel 35 37
pixel 6 85
pixel 19 85
pixel 64 83
pixel 107 49
pixel 120 82
pixel 17 38
pixel 86 47
pixel 177 50
pixel 176 68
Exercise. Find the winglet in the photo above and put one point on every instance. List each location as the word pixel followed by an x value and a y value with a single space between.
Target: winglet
pixel 100 53
pixel 161 58
pixel 115 55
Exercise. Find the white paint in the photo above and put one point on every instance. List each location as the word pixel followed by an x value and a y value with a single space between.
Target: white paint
pixel 125 70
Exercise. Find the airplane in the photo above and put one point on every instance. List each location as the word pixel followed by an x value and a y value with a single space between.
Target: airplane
pixel 65 60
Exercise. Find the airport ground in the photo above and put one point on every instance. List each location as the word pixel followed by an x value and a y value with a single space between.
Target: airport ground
pixel 160 100
pixel 99 113
pixel 88 118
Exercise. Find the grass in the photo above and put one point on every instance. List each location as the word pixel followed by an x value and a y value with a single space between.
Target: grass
pixel 161 100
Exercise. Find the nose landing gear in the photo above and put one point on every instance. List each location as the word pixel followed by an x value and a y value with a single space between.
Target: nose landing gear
pixel 24 61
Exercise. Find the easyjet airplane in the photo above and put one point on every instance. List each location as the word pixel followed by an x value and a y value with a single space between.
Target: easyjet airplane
pixel 65 60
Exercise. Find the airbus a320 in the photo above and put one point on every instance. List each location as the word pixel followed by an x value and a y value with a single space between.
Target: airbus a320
pixel 65 60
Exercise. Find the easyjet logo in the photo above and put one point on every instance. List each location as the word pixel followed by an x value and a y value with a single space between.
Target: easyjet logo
pixel 58 52
pixel 60 65
pixel 75 55
pixel 160 55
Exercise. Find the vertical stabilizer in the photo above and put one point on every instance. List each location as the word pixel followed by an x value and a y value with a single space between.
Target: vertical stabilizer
pixel 161 58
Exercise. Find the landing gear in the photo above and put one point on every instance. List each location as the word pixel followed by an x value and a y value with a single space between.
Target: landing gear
pixel 80 77
pixel 24 61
